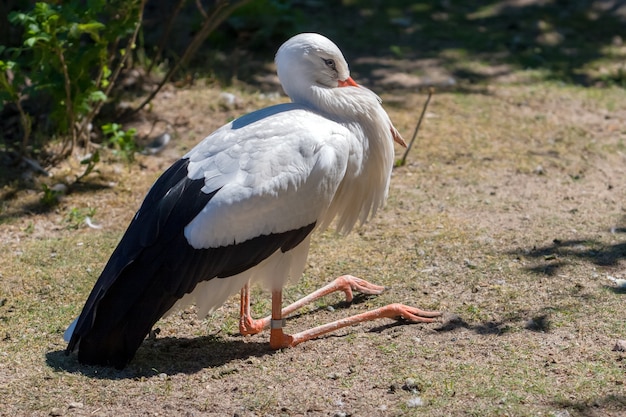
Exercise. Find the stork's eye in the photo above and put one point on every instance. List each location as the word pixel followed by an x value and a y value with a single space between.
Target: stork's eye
pixel 330 63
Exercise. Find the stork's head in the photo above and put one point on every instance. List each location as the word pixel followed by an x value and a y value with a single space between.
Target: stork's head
pixel 310 67
pixel 310 59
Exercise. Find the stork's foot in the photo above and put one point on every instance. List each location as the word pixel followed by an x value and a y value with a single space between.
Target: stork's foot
pixel 250 326
pixel 280 340
pixel 412 314
pixel 349 283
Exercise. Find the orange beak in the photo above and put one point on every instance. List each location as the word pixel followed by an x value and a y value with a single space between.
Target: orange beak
pixel 348 82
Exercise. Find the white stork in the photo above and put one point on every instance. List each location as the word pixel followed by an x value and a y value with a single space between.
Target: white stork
pixel 240 208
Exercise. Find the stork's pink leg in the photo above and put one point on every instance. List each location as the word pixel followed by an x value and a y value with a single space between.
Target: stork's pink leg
pixel 345 283
pixel 278 339
pixel 392 311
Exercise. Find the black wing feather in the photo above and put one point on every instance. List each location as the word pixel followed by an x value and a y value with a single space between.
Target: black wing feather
pixel 153 266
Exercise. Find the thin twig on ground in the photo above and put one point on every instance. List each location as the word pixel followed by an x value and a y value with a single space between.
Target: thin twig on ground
pixel 417 128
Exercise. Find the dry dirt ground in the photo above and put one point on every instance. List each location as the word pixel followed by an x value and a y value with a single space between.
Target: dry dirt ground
pixel 508 218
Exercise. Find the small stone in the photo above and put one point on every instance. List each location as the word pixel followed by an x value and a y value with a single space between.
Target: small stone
pixel 159 143
pixel 75 405
pixel 620 346
pixel 410 385
pixel 415 402
pixel 229 101
pixel 620 283
pixel 60 188
pixel 469 264
pixel 55 412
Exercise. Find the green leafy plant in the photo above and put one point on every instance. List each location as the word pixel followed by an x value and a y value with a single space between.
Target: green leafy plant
pixel 70 59
pixel 68 53
pixel 50 196
pixel 122 141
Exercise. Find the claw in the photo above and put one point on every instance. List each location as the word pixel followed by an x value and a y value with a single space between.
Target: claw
pixel 412 314
pixel 348 283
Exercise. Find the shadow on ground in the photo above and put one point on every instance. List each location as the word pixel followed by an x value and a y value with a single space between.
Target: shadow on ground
pixel 169 355
pixel 560 39
pixel 397 43
pixel 537 322
pixel 609 405
pixel 551 258
pixel 40 198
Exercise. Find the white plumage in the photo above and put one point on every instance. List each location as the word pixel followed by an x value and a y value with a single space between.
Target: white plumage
pixel 267 171
pixel 240 207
